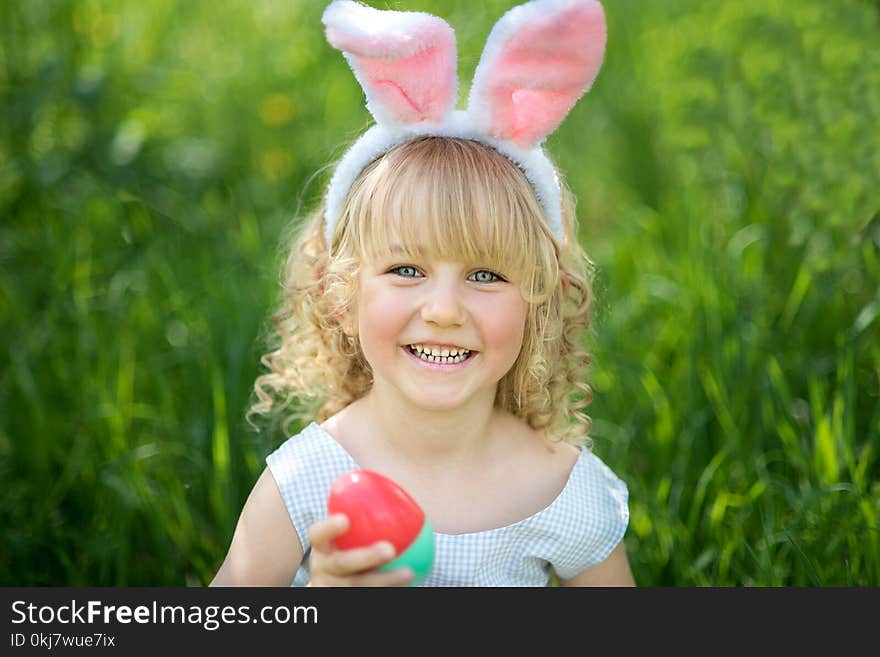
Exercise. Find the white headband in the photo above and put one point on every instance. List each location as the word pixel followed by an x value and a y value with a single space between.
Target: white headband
pixel 539 59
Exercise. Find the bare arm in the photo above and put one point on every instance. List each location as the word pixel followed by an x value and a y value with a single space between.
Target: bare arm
pixel 614 571
pixel 265 549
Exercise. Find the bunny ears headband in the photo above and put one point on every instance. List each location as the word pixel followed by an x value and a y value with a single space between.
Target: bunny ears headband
pixel 538 61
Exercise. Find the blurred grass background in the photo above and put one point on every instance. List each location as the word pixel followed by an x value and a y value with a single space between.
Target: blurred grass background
pixel 727 162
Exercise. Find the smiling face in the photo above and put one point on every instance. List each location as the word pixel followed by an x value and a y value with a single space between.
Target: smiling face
pixel 452 252
pixel 470 319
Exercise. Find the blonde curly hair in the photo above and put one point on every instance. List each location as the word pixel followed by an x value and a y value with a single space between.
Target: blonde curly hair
pixel 474 205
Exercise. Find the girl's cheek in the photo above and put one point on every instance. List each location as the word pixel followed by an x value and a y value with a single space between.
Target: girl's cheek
pixel 506 320
pixel 384 312
pixel 509 335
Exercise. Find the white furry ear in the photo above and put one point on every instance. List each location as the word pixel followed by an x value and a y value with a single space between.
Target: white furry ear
pixel 539 60
pixel 405 61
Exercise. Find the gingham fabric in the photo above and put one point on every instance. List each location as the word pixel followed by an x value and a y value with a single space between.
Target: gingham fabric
pixel 576 530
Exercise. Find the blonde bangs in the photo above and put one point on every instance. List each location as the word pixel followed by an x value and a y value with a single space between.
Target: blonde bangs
pixel 460 199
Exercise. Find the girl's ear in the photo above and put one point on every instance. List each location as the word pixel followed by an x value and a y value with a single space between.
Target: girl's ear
pixel 349 324
pixel 404 60
pixel 539 59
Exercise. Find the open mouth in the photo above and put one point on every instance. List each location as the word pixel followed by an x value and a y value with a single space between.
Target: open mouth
pixel 440 356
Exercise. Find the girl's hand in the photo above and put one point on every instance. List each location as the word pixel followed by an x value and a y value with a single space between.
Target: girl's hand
pixel 357 567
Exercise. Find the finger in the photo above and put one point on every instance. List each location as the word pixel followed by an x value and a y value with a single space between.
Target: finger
pixel 322 533
pixel 359 560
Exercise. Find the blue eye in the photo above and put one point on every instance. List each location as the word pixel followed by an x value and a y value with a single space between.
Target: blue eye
pixel 402 269
pixel 491 279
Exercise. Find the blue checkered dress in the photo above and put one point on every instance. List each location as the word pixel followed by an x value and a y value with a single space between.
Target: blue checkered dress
pixel 577 530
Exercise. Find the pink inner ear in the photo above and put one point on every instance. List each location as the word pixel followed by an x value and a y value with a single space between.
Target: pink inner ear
pixel 408 76
pixel 413 89
pixel 542 71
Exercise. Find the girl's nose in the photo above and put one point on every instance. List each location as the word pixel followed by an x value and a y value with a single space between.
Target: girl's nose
pixel 443 305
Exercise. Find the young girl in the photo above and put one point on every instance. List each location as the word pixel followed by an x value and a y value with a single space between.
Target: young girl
pixel 431 321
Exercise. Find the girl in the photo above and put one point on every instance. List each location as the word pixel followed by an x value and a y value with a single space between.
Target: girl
pixel 432 312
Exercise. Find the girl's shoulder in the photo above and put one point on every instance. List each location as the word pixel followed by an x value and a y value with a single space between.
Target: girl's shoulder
pixel 536 450
pixel 590 514
pixel 529 471
pixel 579 476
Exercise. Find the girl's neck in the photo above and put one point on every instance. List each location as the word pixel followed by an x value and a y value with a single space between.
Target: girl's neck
pixel 423 436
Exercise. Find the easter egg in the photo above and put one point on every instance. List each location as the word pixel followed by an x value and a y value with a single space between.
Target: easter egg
pixel 378 509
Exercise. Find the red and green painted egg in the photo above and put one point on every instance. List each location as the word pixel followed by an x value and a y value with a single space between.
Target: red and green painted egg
pixel 378 509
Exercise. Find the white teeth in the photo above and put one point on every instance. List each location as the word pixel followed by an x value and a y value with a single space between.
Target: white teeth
pixel 438 352
pixel 444 356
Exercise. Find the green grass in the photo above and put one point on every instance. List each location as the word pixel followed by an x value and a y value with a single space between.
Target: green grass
pixel 727 164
